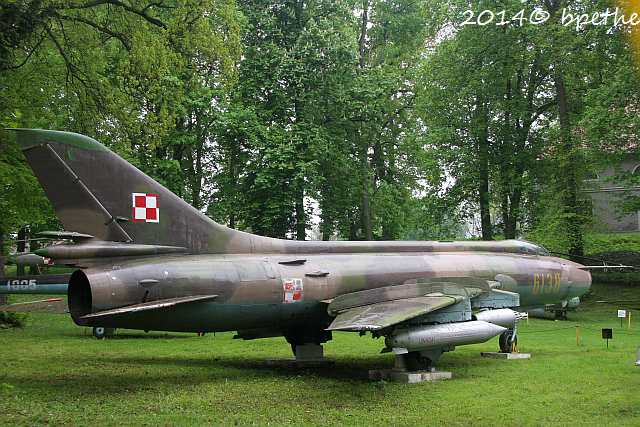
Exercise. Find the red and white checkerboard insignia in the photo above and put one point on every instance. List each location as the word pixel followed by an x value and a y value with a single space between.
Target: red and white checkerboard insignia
pixel 145 208
pixel 292 290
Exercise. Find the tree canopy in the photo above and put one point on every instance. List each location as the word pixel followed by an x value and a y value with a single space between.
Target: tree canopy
pixel 351 119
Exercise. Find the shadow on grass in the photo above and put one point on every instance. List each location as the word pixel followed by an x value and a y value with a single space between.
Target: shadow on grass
pixel 105 377
pixel 129 335
pixel 127 373
pixel 113 377
pixel 350 369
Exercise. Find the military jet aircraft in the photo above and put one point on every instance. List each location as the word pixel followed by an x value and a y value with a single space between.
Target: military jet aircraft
pixel 145 259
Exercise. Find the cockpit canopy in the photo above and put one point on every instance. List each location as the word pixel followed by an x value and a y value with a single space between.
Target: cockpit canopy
pixel 531 248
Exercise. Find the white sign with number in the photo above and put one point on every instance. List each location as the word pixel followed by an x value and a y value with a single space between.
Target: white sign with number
pixel 622 313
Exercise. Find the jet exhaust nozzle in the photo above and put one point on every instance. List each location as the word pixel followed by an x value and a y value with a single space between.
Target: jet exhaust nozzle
pixel 90 291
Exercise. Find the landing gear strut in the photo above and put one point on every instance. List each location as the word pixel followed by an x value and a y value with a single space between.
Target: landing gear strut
pixel 417 360
pixel 100 332
pixel 508 341
pixel 413 367
pixel 308 346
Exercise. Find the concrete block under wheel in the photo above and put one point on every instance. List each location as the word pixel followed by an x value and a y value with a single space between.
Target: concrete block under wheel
pixel 508 356
pixel 408 377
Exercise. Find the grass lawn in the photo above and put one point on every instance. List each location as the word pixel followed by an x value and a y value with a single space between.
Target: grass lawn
pixel 55 373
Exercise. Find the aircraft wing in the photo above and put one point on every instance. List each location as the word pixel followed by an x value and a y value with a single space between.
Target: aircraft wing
pixel 384 314
pixel 51 305
pixel 158 305
pixel 379 308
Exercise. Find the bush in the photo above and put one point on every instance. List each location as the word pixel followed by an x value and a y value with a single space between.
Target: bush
pixel 12 320
pixel 599 243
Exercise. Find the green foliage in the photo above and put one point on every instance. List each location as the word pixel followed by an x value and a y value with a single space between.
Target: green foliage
pixel 430 218
pixel 598 243
pixel 383 120
pixel 13 320
pixel 136 77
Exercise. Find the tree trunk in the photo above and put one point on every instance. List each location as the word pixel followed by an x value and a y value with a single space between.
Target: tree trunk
pixel 3 298
pixel 325 228
pixel 353 228
pixel 301 223
pixel 367 227
pixel 483 168
pixel 511 219
pixel 568 177
pixel 196 189
pixel 362 40
pixel 2 253
pixel 20 247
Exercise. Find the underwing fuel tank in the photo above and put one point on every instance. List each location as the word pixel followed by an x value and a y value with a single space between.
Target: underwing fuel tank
pixel 452 334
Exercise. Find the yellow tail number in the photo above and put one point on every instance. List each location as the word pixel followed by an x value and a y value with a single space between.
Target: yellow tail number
pixel 546 283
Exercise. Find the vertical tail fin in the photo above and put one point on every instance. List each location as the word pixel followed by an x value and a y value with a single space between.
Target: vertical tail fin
pixel 95 191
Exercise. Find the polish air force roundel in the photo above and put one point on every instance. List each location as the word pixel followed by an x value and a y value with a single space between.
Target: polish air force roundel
pixel 145 208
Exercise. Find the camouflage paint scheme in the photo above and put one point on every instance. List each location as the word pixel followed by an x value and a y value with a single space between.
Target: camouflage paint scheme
pixel 187 273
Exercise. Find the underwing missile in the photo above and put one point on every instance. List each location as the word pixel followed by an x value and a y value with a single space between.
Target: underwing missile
pixel 502 317
pixel 27 259
pixel 452 334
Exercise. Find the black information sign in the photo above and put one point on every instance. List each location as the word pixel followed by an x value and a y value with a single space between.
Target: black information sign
pixel 607 334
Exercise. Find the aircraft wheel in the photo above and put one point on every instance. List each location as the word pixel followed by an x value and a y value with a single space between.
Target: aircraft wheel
pixel 99 332
pixel 561 314
pixel 415 361
pixel 508 340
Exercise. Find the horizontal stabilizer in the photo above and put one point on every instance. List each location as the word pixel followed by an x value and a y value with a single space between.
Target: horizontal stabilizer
pixel 106 250
pixel 147 306
pixel 381 315
pixel 66 235
pixel 608 267
pixel 51 305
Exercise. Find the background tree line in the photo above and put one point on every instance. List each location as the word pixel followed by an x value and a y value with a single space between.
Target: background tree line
pixel 376 119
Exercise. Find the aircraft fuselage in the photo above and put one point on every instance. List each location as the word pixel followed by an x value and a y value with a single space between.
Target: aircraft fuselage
pixel 272 291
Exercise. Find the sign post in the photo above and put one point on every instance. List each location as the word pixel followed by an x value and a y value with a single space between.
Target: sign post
pixel 621 315
pixel 607 334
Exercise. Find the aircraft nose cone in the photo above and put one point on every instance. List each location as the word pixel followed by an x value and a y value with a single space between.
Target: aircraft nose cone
pixel 580 282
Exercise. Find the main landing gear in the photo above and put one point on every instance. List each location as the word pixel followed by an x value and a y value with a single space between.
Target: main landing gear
pixel 413 367
pixel 509 341
pixel 418 360
pixel 307 345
